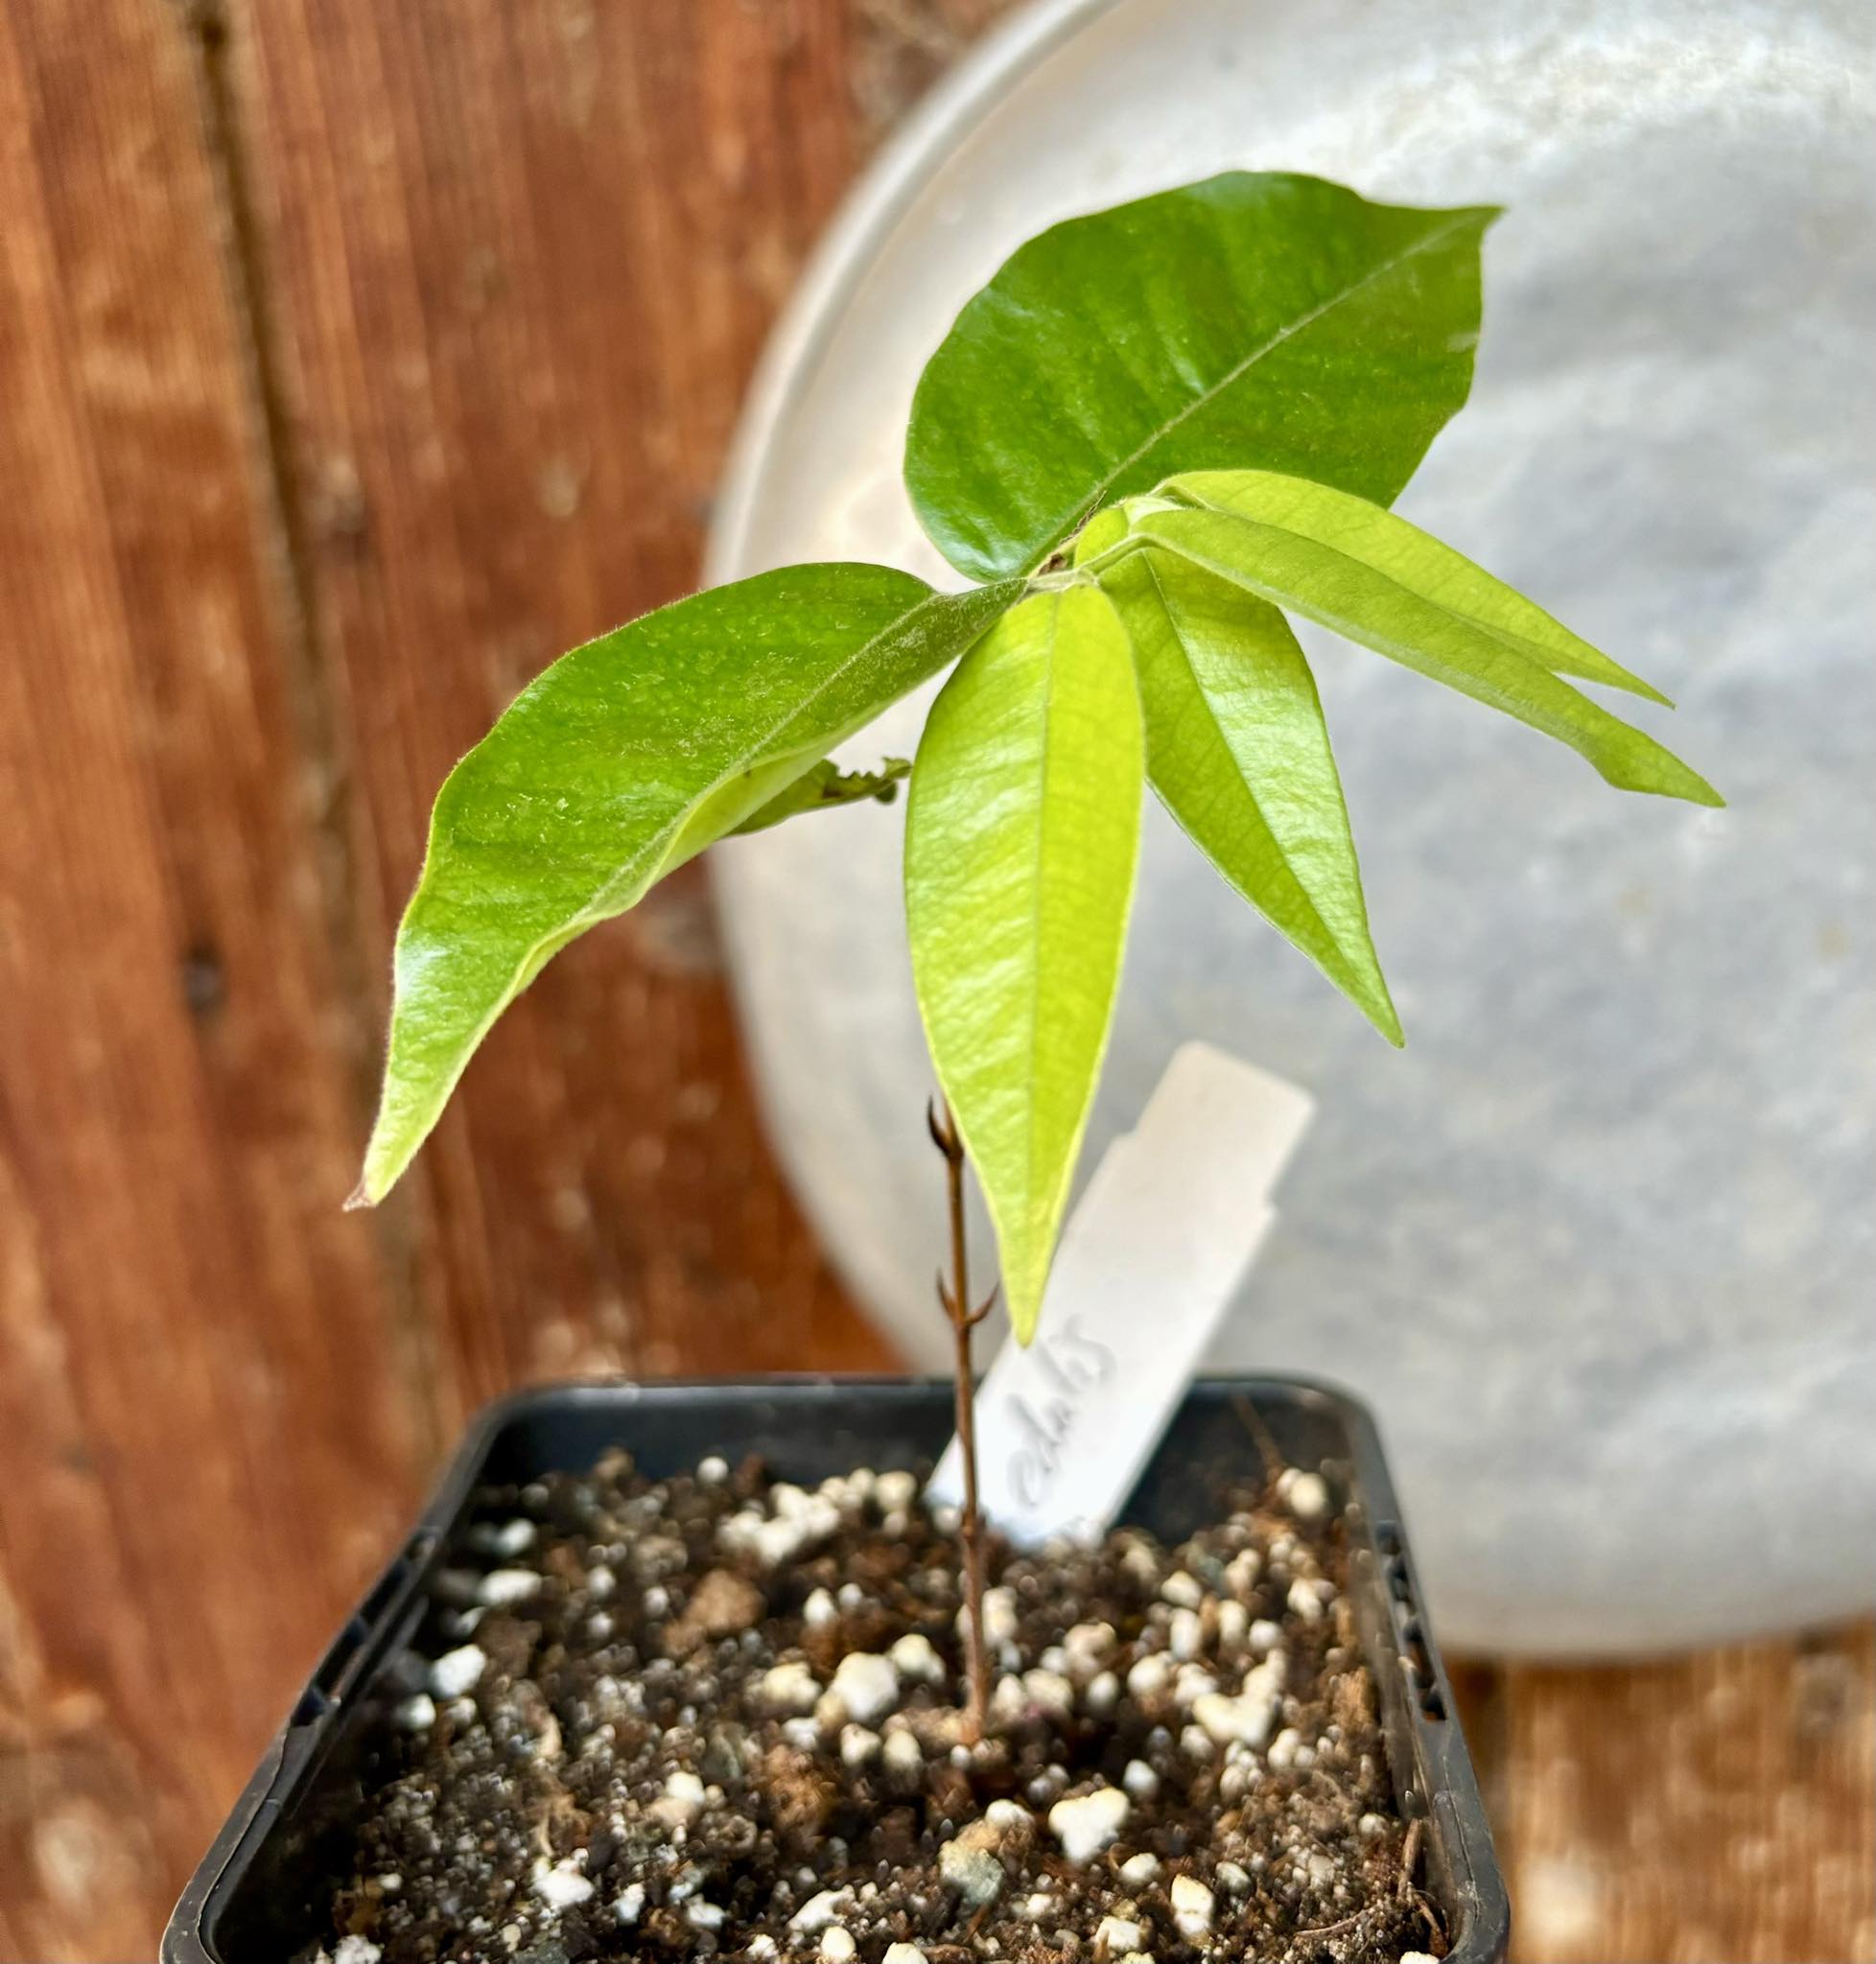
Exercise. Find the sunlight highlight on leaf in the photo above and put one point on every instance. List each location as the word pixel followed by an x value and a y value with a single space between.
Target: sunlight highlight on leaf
pixel 1022 832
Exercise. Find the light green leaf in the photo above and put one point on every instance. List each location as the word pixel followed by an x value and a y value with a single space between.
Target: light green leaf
pixel 1252 320
pixel 1369 606
pixel 1102 532
pixel 827 785
pixel 1022 833
pixel 1237 750
pixel 1408 556
pixel 621 761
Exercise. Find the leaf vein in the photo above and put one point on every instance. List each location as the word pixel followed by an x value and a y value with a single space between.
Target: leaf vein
pixel 1249 789
pixel 1237 373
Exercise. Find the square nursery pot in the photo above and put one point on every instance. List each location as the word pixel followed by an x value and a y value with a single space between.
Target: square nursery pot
pixel 259 1897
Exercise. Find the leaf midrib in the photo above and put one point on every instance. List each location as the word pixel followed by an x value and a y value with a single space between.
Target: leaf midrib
pixel 1245 783
pixel 1066 525
pixel 1035 1018
pixel 1387 641
pixel 592 911
pixel 609 889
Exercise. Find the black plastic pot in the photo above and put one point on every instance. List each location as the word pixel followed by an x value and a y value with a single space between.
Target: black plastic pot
pixel 261 1894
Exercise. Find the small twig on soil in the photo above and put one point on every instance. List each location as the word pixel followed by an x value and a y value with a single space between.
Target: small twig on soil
pixel 955 1297
pixel 1328 1929
pixel 1410 1858
pixel 1410 1890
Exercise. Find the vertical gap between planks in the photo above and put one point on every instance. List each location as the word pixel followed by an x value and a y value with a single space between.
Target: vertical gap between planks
pixel 326 789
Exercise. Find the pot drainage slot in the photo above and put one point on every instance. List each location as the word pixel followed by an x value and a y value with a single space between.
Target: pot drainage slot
pixel 1410 1640
pixel 323 1693
pixel 330 1682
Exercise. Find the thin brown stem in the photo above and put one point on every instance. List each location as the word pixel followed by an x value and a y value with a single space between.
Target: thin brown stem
pixel 956 1298
pixel 1410 1856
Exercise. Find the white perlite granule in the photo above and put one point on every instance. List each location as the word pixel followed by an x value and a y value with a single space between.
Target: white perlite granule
pixel 562 1884
pixel 459 1672
pixel 1191 1906
pixel 507 1586
pixel 866 1685
pixel 1088 1822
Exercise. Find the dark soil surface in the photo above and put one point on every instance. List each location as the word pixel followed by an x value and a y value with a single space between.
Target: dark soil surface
pixel 715 1715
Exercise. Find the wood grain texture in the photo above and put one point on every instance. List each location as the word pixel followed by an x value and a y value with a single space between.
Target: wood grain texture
pixel 518 276
pixel 220 1394
pixel 200 1359
pixel 1715 1809
pixel 357 358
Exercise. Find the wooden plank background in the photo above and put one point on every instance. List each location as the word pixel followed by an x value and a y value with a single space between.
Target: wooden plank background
pixel 355 358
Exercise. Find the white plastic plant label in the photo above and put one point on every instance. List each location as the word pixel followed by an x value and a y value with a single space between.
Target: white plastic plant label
pixel 1166 1230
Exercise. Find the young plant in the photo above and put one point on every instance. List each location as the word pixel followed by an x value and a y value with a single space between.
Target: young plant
pixel 1156 433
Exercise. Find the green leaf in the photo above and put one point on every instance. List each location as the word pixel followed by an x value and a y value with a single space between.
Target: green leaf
pixel 1368 605
pixel 1021 834
pixel 1408 556
pixel 622 761
pixel 1102 532
pixel 1254 318
pixel 826 786
pixel 1238 752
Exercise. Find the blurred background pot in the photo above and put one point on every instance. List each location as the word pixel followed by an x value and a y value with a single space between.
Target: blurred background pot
pixel 1597 1245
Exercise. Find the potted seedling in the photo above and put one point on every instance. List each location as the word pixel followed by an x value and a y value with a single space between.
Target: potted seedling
pixel 736 1693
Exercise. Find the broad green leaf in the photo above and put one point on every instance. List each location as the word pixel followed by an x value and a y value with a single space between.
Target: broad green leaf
pixel 1237 750
pixel 1369 606
pixel 1252 320
pixel 1410 557
pixel 622 761
pixel 1106 529
pixel 1022 833
pixel 827 785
